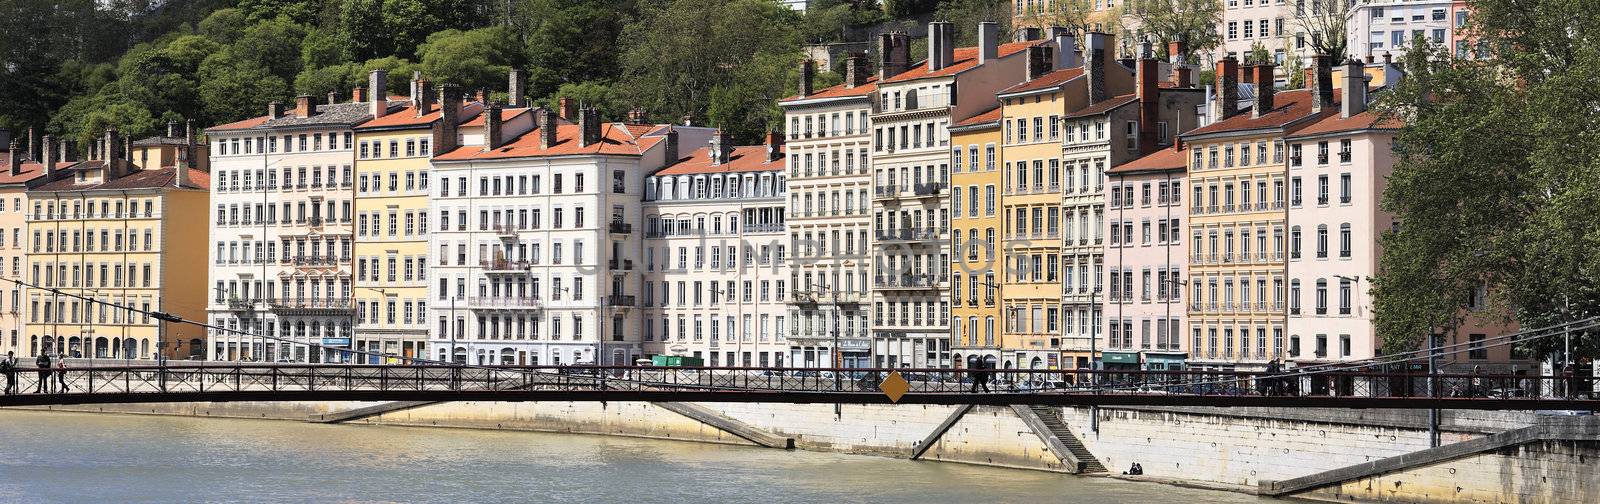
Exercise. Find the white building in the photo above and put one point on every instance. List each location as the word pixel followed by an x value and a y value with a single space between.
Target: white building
pixel 533 239
pixel 281 262
pixel 911 174
pixel 828 141
pixel 1385 28
pixel 715 272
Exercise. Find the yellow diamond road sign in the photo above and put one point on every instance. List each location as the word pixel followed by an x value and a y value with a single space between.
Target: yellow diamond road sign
pixel 894 386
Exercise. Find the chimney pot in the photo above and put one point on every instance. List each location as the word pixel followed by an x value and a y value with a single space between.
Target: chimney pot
pixel 988 41
pixel 14 160
pixel 1176 51
pixel 378 82
pixel 491 127
pixel 358 94
pixel 274 110
pixel 516 89
pixel 548 127
pixel 569 108
pixel 1265 90
pixel 1355 89
pixel 172 128
pixel 50 156
pixel 1322 82
pixel 721 147
pixel 894 52
pixel 855 70
pixel 774 146
pixel 333 97
pixel 808 70
pixel 1227 88
pixel 303 107
pixel 424 98
pixel 444 130
pixel 588 126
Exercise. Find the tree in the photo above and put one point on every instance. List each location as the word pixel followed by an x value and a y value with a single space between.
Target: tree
pixel 736 45
pixel 964 16
pixel 1258 54
pixel 1493 183
pixel 1323 26
pixel 1192 21
pixel 1072 14
pixel 558 41
pixel 475 59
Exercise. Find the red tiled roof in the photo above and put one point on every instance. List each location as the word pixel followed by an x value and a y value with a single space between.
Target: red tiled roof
pixel 839 91
pixel 238 125
pixel 505 115
pixel 1336 123
pixel 1103 106
pixel 139 179
pixel 1164 159
pixel 987 117
pixel 1288 107
pixel 407 116
pixel 747 158
pixel 30 169
pixel 1049 80
pixel 965 58
pixel 616 139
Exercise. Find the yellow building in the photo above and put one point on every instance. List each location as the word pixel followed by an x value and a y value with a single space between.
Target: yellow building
pixel 1239 178
pixel 975 264
pixel 393 154
pixel 133 236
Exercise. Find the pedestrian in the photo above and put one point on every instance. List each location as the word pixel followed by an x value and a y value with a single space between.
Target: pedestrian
pixel 43 364
pixel 61 372
pixel 980 376
pixel 8 366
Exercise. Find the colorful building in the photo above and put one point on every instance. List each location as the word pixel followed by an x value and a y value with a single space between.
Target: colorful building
pixel 828 140
pixel 23 165
pixel 125 234
pixel 1146 320
pixel 714 273
pixel 979 257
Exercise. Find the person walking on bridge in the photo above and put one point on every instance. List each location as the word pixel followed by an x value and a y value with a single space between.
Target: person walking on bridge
pixel 8 366
pixel 43 363
pixel 61 372
pixel 980 377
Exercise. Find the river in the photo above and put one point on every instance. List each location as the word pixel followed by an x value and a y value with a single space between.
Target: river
pixel 80 457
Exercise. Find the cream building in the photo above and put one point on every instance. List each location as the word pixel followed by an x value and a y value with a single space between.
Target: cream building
pixel 829 178
pixel 22 167
pixel 716 278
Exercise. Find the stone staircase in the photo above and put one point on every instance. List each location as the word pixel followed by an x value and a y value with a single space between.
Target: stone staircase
pixel 1089 464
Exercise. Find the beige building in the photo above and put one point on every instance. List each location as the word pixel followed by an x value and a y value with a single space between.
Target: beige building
pixel 21 169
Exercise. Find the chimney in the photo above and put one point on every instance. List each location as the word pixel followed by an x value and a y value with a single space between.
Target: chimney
pixel 547 128
pixel 1149 94
pixel 424 98
pixel 14 161
pixel 1027 33
pixel 670 156
pixel 1182 76
pixel 721 148
pixel 1247 75
pixel 50 156
pixel 1227 88
pixel 894 51
pixel 358 94
pixel 66 152
pixel 941 45
pixel 180 171
pixel 189 147
pixel 1387 58
pixel 774 146
pixel 378 82
pixel 1040 57
pixel 481 96
pixel 1321 83
pixel 33 144
pixel 333 97
pixel 303 106
pixel 172 128
pixel 808 70
pixel 1176 51
pixel 113 145
pixel 1264 90
pixel 1095 55
pixel 569 108
pixel 588 126
pixel 274 110
pixel 988 41
pixel 444 130
pixel 855 70
pixel 491 127
pixel 415 77
pixel 636 115
pixel 1066 48
pixel 516 89
pixel 1355 89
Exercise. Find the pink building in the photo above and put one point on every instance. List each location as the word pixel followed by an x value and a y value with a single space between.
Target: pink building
pixel 1338 165
pixel 1146 252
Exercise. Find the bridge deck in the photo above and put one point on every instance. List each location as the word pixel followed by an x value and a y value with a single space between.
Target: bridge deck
pixel 338 382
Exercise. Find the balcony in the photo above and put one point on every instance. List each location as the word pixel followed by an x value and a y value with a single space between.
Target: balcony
pixel 930 189
pixel 887 191
pixel 619 227
pixel 313 262
pixel 505 230
pixel 504 303
pixel 338 307
pixel 914 234
pixel 921 281
pixel 764 228
pixel 620 300
pixel 243 305
pixel 622 265
pixel 503 266
pixel 314 221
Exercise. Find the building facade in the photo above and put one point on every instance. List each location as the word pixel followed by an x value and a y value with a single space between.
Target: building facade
pixel 1145 315
pixel 281 262
pixel 1387 28
pixel 532 242
pixel 975 201
pixel 716 278
pixel 126 235
pixel 828 143
pixel 23 165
